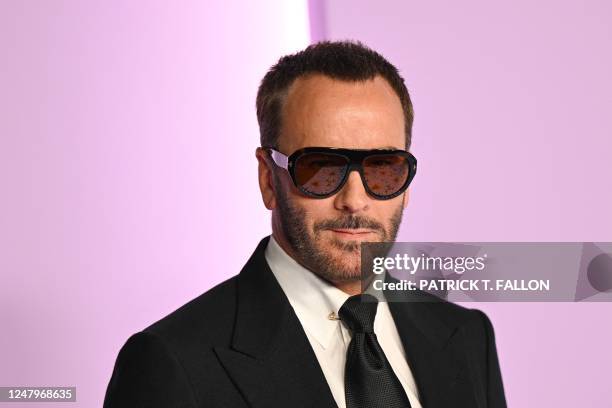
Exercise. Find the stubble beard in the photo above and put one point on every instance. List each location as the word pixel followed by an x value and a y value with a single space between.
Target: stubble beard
pixel 306 244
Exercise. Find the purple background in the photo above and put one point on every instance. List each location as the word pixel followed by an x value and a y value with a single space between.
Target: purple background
pixel 118 121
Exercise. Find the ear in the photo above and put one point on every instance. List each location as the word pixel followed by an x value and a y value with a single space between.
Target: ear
pixel 266 183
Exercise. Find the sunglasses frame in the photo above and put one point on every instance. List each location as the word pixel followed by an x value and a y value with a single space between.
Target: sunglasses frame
pixel 355 162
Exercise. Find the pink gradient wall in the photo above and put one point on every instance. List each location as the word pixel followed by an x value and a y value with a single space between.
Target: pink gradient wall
pixel 513 137
pixel 127 170
pixel 118 119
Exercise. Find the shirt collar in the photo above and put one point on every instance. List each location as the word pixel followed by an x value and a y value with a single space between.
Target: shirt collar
pixel 311 297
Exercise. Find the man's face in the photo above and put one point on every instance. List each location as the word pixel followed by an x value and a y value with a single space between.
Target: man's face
pixel 324 235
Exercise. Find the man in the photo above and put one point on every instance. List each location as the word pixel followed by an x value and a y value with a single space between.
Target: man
pixel 293 328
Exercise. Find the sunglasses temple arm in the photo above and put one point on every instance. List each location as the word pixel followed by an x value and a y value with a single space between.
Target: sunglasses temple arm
pixel 280 159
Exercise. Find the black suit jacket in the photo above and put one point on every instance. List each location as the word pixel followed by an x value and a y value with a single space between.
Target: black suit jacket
pixel 241 345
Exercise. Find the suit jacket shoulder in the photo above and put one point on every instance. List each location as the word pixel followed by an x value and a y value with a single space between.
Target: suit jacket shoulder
pixel 206 320
pixel 156 366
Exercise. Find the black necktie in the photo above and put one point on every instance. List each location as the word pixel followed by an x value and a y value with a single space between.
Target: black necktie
pixel 369 380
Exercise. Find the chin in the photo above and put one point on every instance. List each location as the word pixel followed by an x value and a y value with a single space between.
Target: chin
pixel 348 262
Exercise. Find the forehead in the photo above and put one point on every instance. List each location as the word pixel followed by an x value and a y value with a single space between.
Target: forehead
pixel 321 111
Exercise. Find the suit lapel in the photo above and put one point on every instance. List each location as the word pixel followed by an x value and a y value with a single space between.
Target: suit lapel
pixel 271 361
pixel 434 352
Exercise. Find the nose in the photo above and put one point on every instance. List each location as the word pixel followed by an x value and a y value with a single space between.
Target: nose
pixel 352 198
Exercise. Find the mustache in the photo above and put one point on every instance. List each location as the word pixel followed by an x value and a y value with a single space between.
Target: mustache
pixel 349 222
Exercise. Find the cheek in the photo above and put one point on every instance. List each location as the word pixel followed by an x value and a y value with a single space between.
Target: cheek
pixel 315 209
pixel 387 210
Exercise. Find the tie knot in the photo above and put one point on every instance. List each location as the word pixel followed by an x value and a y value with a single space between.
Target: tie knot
pixel 358 313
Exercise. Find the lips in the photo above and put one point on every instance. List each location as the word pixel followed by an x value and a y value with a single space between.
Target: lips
pixel 351 232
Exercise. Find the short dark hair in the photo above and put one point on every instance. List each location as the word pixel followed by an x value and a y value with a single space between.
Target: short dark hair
pixel 342 60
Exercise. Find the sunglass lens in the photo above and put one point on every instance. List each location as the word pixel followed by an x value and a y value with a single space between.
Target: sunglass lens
pixel 320 173
pixel 386 174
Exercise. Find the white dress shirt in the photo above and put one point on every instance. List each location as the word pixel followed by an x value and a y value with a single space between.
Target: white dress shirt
pixel 313 299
